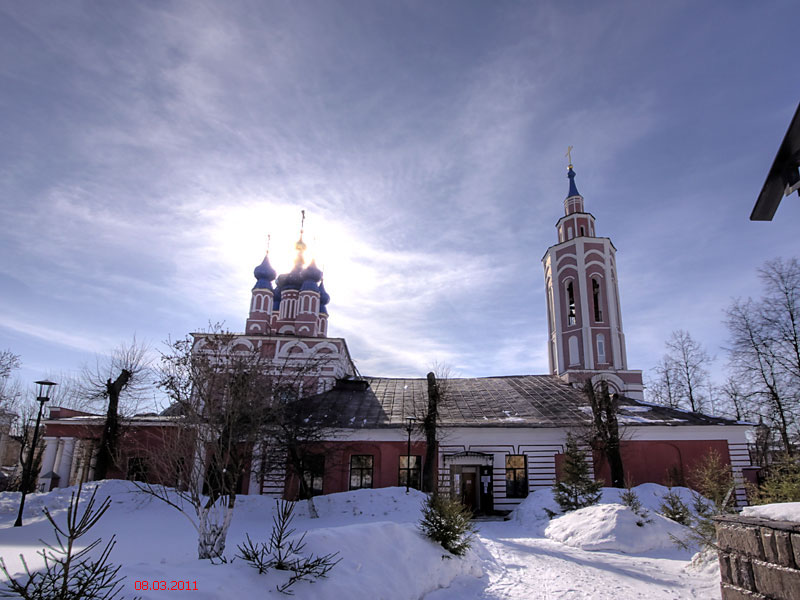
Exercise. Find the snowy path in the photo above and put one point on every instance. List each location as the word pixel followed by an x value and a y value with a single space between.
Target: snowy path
pixel 532 568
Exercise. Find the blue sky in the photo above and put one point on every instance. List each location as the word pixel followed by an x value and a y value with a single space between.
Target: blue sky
pixel 149 148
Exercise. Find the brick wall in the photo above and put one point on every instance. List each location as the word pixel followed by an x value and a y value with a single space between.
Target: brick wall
pixel 758 558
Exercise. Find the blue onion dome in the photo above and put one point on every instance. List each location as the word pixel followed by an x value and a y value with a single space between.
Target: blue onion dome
pixel 324 297
pixel 309 285
pixel 276 295
pixel 264 274
pixel 573 190
pixel 312 272
pixel 294 278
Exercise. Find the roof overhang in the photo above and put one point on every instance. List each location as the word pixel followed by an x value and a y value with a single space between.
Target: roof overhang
pixel 784 174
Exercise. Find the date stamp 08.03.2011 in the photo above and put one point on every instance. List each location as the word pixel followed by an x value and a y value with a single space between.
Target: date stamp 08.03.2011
pixel 190 586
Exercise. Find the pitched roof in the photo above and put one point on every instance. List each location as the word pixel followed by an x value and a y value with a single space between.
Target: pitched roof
pixel 509 401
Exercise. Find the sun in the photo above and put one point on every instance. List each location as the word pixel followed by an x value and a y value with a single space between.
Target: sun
pixel 242 233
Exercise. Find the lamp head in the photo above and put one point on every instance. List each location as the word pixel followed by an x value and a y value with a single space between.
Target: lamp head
pixel 43 392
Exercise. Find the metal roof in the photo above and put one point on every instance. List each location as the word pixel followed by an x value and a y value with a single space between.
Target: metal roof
pixel 508 401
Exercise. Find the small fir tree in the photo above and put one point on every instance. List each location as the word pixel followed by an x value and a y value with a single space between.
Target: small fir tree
pixel 713 478
pixel 673 507
pixel 447 522
pixel 575 489
pixel 71 569
pixel 285 551
pixel 781 484
pixel 631 499
pixel 713 485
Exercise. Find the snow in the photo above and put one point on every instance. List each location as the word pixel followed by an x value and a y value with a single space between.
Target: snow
pixel 784 511
pixel 375 532
pixel 384 556
pixel 614 527
pixel 531 513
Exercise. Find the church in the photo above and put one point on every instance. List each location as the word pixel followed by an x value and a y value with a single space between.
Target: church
pixel 499 438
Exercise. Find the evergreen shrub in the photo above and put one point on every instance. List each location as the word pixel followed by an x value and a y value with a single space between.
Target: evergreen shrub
pixel 575 488
pixel 447 522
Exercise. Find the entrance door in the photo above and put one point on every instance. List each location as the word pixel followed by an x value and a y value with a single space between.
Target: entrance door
pixel 468 490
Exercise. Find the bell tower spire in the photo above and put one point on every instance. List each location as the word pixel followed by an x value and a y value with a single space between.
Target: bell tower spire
pixel 584 318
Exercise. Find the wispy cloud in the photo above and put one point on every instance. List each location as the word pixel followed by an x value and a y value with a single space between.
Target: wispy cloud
pixel 152 148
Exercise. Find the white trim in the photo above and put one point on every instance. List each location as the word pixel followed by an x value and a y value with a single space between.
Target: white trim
pixel 588 358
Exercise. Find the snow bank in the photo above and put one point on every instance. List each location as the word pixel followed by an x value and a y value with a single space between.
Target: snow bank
pixel 608 525
pixel 651 495
pixel 391 561
pixel 532 511
pixel 614 527
pixel 383 554
pixel 784 511
pixel 383 504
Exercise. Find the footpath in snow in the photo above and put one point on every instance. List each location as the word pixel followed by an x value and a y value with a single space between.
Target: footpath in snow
pixel 384 557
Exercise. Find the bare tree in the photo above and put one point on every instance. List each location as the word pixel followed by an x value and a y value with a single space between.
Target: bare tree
pixel 663 389
pixel 122 376
pixel 22 430
pixel 753 358
pixel 8 362
pixel 689 361
pixel 9 389
pixel 428 422
pixel 229 398
pixel 780 312
pixel 737 400
pixel 605 435
pixel 295 430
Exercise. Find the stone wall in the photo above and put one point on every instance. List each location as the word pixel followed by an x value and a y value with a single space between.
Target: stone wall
pixel 759 558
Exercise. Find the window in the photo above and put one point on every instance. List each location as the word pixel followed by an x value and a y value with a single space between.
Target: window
pixel 410 471
pixel 360 471
pixel 598 311
pixel 574 359
pixel 601 348
pixel 582 231
pixel 137 469
pixel 313 475
pixel 570 304
pixel 569 232
pixel 516 476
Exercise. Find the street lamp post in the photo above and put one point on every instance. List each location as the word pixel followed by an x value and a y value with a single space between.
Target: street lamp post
pixel 409 429
pixel 43 395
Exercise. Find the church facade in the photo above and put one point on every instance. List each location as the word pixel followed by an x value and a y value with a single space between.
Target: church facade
pixel 500 438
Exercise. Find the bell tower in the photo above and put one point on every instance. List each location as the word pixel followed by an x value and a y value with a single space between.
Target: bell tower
pixel 584 319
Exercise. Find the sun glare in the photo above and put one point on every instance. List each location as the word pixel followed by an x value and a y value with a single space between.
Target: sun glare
pixel 241 236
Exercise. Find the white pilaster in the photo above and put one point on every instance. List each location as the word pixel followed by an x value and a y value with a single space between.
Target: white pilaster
pixel 611 297
pixel 583 291
pixel 64 467
pixel 48 458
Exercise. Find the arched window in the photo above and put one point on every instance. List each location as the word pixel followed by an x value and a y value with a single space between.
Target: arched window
pixel 582 231
pixel 598 311
pixel 569 232
pixel 601 348
pixel 570 304
pixel 574 359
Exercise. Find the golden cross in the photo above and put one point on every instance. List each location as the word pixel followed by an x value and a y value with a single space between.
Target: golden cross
pixel 569 154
